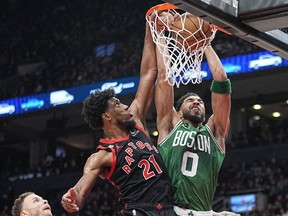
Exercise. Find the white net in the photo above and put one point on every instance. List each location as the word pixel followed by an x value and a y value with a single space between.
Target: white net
pixel 182 49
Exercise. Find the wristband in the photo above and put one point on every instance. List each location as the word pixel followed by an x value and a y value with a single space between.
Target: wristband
pixel 221 87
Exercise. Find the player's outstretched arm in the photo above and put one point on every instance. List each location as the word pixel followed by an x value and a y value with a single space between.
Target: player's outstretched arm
pixel 148 73
pixel 164 101
pixel 75 197
pixel 221 97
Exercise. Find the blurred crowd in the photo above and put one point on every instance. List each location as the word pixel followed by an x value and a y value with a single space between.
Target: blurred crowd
pixel 268 176
pixel 63 36
pixel 260 134
pixel 49 44
pixel 59 43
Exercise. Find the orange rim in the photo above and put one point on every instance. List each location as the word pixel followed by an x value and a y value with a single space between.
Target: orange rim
pixel 168 6
pixel 221 29
pixel 161 7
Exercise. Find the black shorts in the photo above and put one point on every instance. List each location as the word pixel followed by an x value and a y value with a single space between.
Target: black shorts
pixel 147 209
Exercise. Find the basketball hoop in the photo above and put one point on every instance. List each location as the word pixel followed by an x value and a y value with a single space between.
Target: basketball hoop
pixel 182 53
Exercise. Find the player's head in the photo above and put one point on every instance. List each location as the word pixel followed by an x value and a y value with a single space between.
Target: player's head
pixel 30 204
pixel 103 106
pixel 191 107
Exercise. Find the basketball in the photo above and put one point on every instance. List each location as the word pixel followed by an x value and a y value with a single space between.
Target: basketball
pixel 191 32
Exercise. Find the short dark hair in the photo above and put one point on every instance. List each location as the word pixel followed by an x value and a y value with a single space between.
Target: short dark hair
pixel 18 203
pixel 95 105
pixel 181 100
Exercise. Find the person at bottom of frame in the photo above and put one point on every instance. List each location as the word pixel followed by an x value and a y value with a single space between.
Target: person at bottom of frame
pixel 126 156
pixel 30 204
pixel 193 151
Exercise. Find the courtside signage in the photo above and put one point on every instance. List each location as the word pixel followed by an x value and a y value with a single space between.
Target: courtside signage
pixel 21 105
pixel 233 65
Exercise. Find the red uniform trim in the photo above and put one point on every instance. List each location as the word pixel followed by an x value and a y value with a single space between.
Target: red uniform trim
pixel 112 141
pixel 113 161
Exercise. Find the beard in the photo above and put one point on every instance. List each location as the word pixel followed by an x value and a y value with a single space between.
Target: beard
pixel 194 119
pixel 128 124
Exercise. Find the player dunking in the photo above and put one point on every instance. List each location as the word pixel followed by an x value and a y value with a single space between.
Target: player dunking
pixel 126 157
pixel 192 150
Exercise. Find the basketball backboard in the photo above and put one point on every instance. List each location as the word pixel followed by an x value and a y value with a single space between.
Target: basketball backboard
pixel 261 22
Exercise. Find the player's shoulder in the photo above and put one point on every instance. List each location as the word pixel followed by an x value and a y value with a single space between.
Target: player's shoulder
pixel 102 156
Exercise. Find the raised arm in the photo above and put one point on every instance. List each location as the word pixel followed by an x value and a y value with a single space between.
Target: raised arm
pixel 221 98
pixel 75 197
pixel 167 117
pixel 148 73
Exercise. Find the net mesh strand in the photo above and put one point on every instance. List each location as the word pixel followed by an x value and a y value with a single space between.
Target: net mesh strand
pixel 182 62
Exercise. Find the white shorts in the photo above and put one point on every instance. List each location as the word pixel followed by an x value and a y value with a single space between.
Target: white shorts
pixel 188 212
pixel 225 213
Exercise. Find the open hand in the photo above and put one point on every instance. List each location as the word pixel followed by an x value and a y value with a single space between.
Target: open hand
pixel 68 201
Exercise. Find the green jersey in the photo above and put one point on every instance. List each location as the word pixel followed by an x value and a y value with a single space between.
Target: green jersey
pixel 193 159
